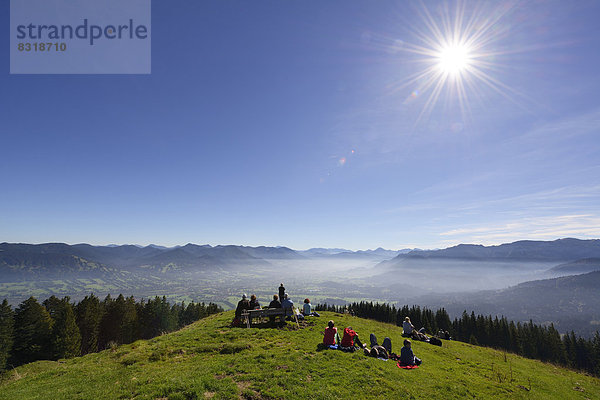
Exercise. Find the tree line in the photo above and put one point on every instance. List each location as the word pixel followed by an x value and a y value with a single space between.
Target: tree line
pixel 58 328
pixel 530 340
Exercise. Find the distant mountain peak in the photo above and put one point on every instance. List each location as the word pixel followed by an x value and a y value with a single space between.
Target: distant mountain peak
pixel 567 249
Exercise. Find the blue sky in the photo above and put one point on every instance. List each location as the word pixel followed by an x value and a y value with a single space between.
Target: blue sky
pixel 296 123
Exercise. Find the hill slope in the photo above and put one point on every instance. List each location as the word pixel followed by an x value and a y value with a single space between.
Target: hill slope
pixel 211 360
pixel 577 267
pixel 570 302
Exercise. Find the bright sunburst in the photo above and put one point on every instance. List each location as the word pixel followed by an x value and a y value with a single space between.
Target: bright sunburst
pixel 454 59
pixel 457 54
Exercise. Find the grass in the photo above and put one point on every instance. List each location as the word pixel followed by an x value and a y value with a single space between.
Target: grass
pixel 209 359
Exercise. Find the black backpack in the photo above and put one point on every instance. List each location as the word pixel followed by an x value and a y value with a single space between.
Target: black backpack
pixel 435 341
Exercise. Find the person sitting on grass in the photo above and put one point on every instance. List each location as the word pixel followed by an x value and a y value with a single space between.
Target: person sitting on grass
pixel 331 336
pixel 275 303
pixel 307 309
pixel 242 305
pixel 407 327
pixel 420 335
pixel 254 304
pixel 410 331
pixel 288 306
pixel 407 357
pixel 350 340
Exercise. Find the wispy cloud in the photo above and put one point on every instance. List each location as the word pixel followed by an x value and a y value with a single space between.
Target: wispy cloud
pixel 535 228
pixel 560 198
pixel 556 199
pixel 567 128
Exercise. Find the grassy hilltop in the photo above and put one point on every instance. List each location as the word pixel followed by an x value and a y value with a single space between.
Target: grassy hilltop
pixel 208 359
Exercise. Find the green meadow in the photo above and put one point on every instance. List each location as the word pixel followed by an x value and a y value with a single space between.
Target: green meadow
pixel 209 359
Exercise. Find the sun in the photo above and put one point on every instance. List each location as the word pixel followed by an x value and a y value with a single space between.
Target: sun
pixel 454 59
pixel 457 53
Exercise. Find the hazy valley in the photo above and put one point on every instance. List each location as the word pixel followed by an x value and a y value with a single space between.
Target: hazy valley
pixel 519 280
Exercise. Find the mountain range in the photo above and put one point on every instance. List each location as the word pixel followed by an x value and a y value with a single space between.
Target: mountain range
pixel 345 253
pixel 568 249
pixel 20 261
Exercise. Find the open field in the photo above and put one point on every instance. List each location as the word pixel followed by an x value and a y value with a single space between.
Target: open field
pixel 208 359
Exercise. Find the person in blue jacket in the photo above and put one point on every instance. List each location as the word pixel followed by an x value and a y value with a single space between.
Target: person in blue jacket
pixel 407 357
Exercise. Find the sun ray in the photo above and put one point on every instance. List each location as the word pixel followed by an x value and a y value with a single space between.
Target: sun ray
pixel 456 56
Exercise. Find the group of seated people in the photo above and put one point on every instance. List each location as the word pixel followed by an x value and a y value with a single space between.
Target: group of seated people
pixel 442 334
pixel 286 303
pixel 351 342
pixel 245 304
pixel 410 331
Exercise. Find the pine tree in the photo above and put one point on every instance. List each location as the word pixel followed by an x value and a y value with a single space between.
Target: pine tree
pixel 442 319
pixel 66 339
pixel 33 331
pixel 596 354
pixel 582 354
pixel 556 348
pixel 465 330
pixel 473 340
pixel 89 314
pixel 189 315
pixel 505 335
pixel 110 325
pixel 129 321
pixel 6 333
pixel 572 354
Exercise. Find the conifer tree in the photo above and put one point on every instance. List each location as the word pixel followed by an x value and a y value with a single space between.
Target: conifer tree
pixel 596 354
pixel 89 314
pixel 32 333
pixel 555 346
pixel 110 324
pixel 442 319
pixel 515 340
pixel 189 315
pixel 66 339
pixel 582 354
pixel 6 333
pixel 572 354
pixel 129 321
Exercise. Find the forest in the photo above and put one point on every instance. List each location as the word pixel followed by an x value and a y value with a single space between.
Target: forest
pixel 58 328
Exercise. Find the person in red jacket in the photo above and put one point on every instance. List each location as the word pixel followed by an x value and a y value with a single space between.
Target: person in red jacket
pixel 331 337
pixel 350 341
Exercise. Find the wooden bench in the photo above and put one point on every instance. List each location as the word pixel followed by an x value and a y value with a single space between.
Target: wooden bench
pixel 248 315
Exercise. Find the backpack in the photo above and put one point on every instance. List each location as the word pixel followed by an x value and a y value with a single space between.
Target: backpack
pixel 435 341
